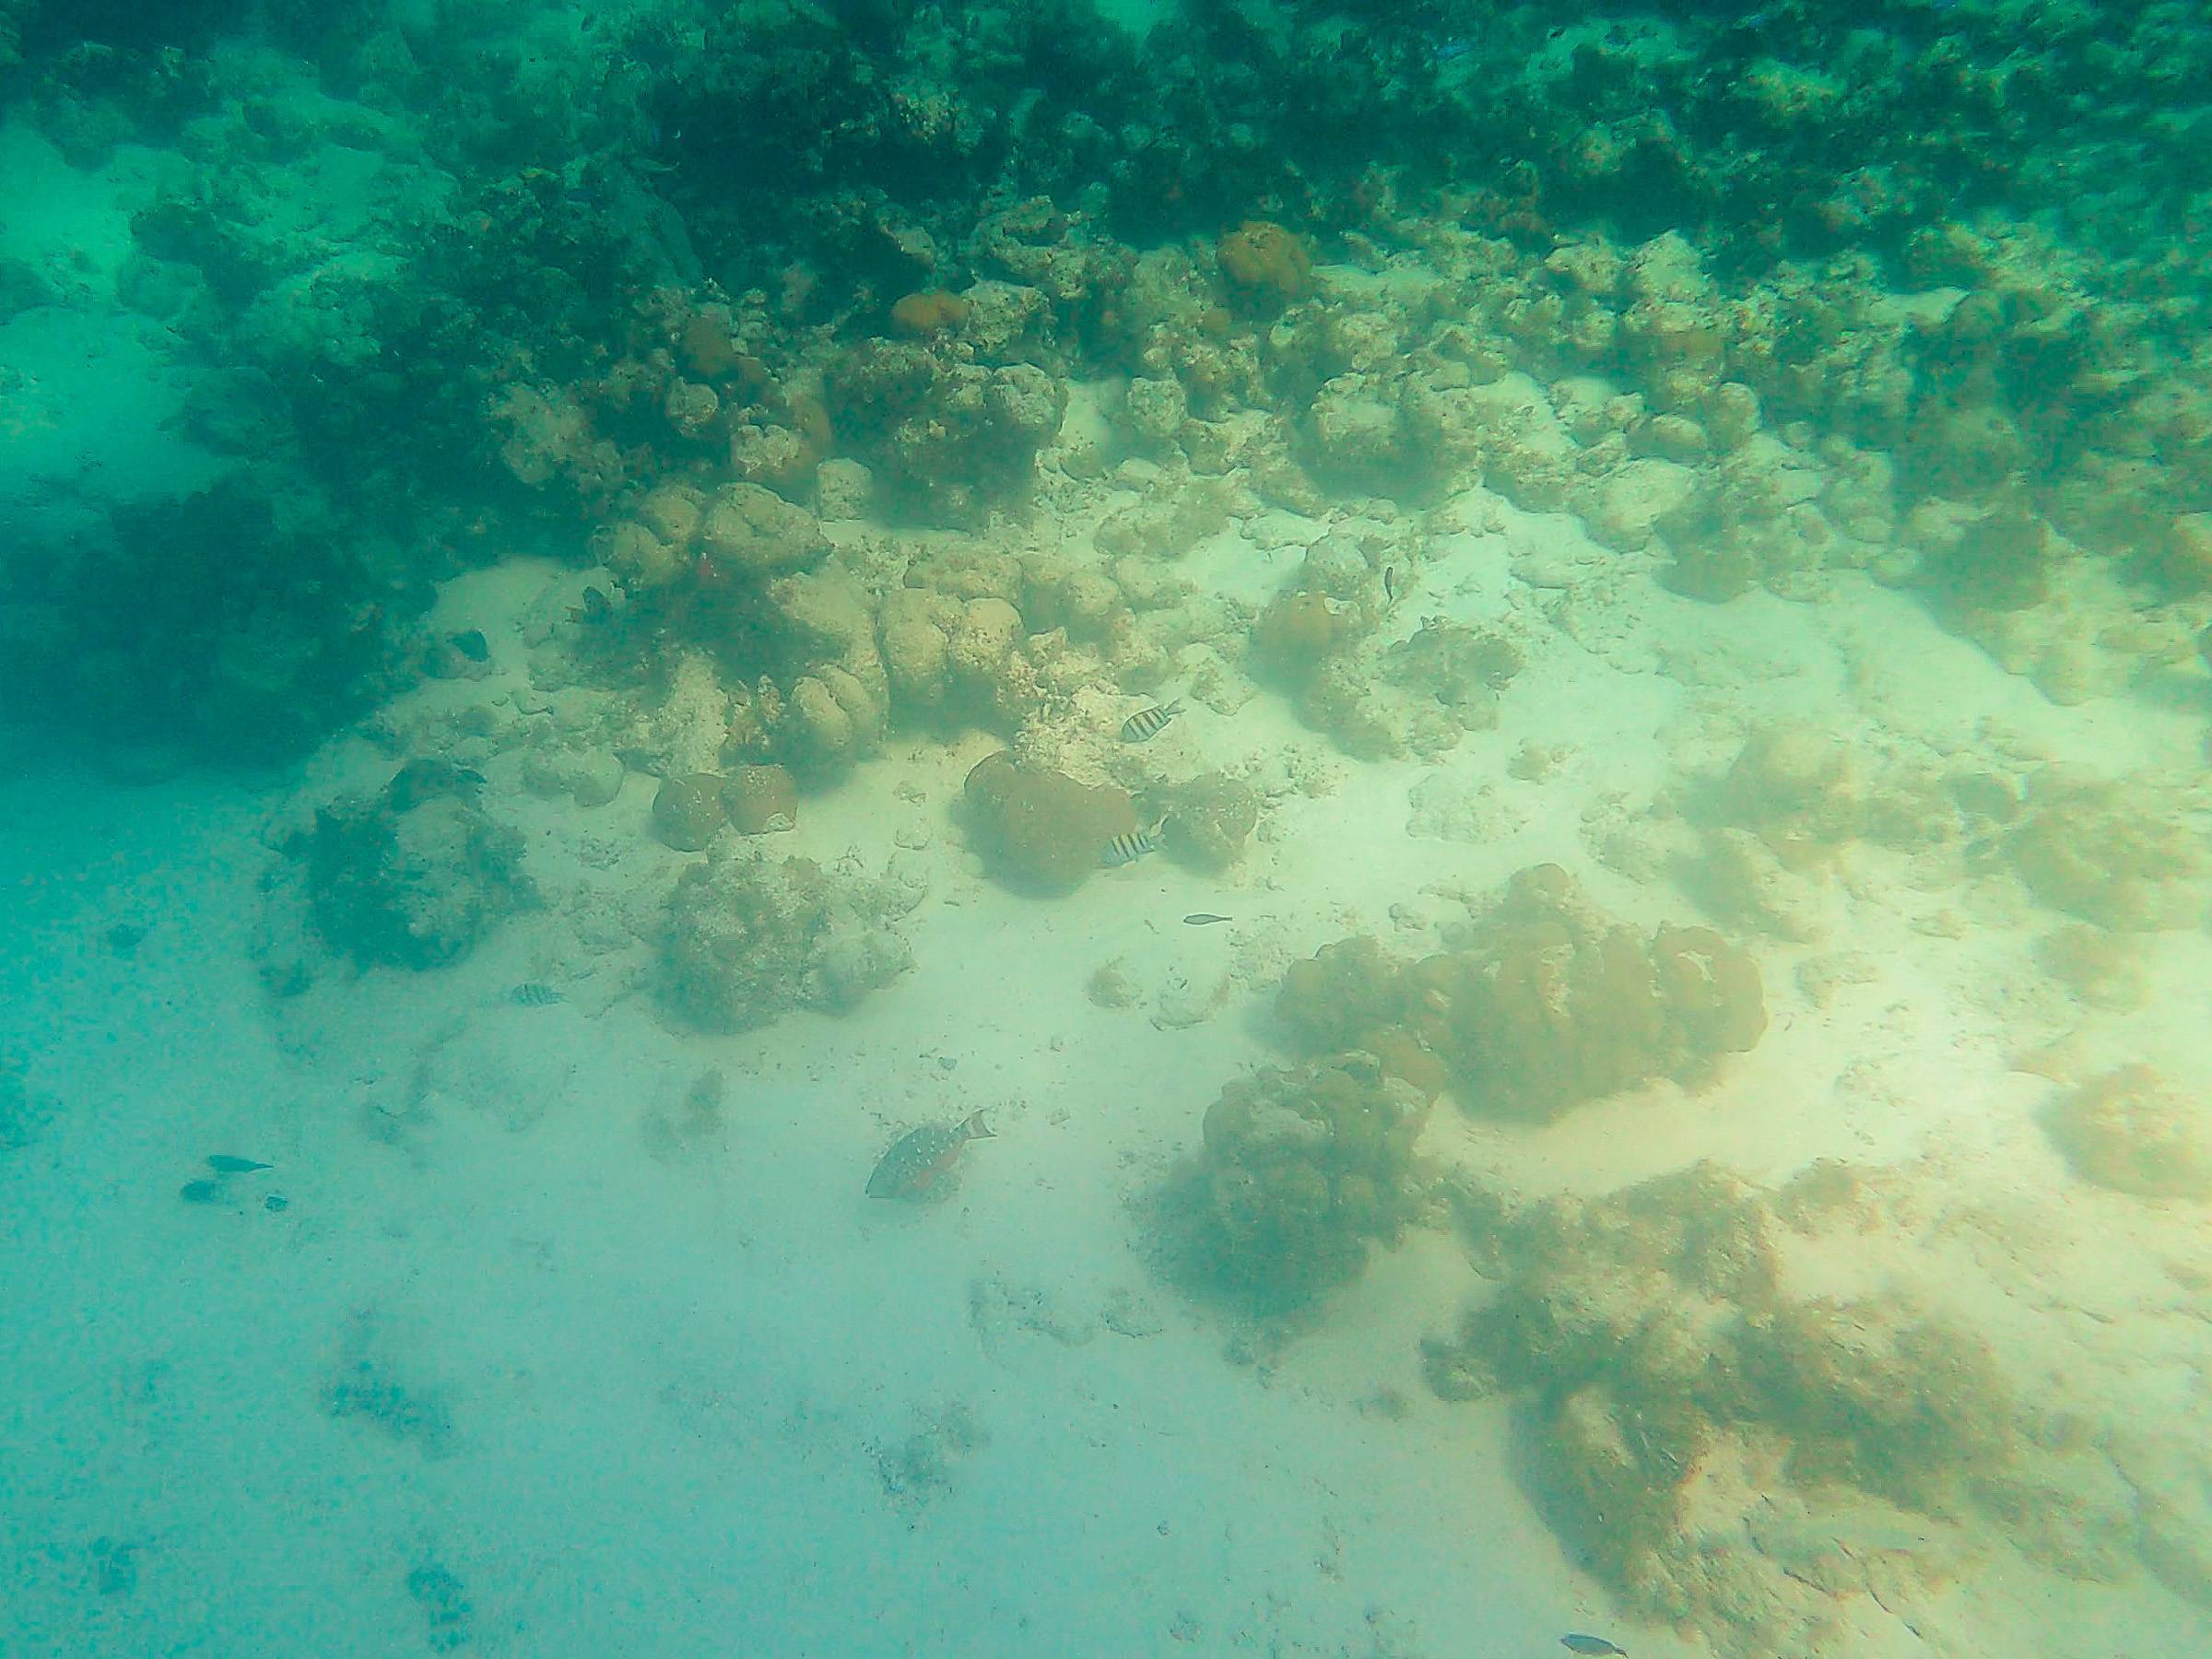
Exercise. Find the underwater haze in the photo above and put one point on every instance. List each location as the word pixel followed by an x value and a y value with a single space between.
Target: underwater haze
pixel 1106 827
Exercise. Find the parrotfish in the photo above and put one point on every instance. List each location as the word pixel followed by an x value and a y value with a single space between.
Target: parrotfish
pixel 920 1163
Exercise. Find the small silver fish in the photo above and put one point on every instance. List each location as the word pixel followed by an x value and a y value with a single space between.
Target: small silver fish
pixel 1146 723
pixel 534 994
pixel 1202 919
pixel 225 1163
pixel 1590 1644
pixel 1130 846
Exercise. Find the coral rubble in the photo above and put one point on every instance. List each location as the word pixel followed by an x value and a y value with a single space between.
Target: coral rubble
pixel 749 938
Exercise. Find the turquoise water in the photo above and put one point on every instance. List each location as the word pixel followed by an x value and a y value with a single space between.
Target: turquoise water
pixel 1222 829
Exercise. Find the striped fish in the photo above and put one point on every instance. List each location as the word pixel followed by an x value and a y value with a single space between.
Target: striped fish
pixel 1131 845
pixel 1146 723
pixel 534 994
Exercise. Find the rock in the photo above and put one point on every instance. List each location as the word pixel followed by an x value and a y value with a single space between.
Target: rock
pixel 413 886
pixel 751 528
pixel 597 779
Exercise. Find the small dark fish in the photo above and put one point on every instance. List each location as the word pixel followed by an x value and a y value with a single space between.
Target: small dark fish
pixel 472 644
pixel 1390 584
pixel 201 1192
pixel 125 937
pixel 533 994
pixel 1202 919
pixel 1130 846
pixel 594 607
pixel 427 777
pixel 275 1202
pixel 1590 1644
pixel 1146 723
pixel 920 1161
pixel 223 1163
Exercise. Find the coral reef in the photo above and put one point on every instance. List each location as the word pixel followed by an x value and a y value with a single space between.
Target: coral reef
pixel 1322 639
pixel 1265 266
pixel 952 438
pixel 1301 1173
pixel 1546 1004
pixel 240 623
pixel 749 938
pixel 1709 293
pixel 1678 1393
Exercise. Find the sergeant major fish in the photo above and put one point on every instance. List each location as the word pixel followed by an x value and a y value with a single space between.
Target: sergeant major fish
pixel 1131 845
pixel 920 1162
pixel 1146 723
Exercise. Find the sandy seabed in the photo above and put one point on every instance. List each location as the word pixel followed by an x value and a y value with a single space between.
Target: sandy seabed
pixel 537 1359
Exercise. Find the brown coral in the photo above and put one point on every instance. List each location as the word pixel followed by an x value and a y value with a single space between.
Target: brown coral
pixel 1295 634
pixel 1552 1006
pixel 931 312
pixel 688 811
pixel 761 798
pixel 1266 266
pixel 1209 820
pixel 1041 831
pixel 1302 1172
pixel 2127 1130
